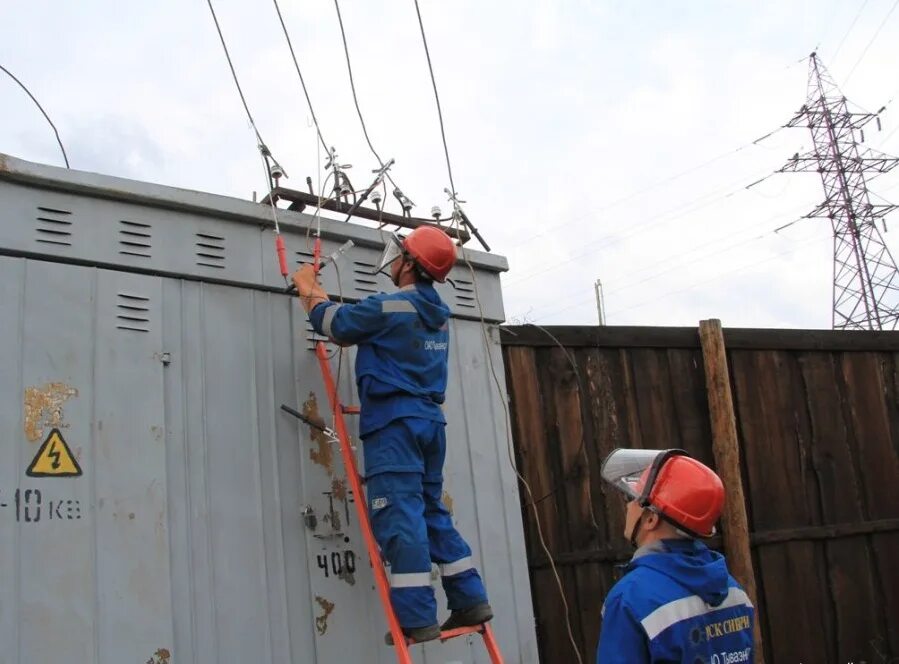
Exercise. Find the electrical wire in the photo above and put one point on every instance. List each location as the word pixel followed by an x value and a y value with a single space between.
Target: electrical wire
pixel 648 188
pixel 873 39
pixel 296 65
pixel 243 99
pixel 511 452
pixel 424 39
pixel 349 68
pixel 851 25
pixel 719 275
pixel 65 157
pixel 583 299
pixel 682 209
pixel 484 331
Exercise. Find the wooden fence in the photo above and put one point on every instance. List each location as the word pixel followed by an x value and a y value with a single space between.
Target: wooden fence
pixel 817 420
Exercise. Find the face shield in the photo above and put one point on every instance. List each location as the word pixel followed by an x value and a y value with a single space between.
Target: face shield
pixel 624 469
pixel 392 250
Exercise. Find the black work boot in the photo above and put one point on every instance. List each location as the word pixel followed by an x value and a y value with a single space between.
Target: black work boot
pixel 473 615
pixel 417 634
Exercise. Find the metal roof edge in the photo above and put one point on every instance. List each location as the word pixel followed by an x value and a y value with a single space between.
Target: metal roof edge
pixel 187 200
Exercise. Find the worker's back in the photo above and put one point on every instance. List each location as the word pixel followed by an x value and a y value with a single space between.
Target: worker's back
pixel 403 347
pixel 677 603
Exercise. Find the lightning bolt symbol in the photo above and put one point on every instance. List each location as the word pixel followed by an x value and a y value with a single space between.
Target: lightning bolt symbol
pixel 53 453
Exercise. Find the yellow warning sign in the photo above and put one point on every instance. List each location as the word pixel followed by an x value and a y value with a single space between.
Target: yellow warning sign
pixel 54 459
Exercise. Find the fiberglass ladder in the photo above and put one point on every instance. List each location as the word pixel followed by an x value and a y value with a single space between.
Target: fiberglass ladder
pixel 400 642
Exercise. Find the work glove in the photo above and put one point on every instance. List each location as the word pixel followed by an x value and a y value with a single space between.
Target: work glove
pixel 310 293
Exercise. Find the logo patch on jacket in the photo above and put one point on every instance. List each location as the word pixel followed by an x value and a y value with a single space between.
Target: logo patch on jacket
pixel 430 344
pixel 379 503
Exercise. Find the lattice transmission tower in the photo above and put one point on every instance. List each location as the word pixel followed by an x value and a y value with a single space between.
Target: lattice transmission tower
pixel 865 277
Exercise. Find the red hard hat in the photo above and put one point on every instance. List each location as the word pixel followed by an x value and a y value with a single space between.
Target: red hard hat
pixel 432 250
pixel 687 492
pixel 681 489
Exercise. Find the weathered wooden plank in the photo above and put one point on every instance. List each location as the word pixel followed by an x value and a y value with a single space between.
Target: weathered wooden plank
pixel 850 581
pixel 537 460
pixel 772 430
pixel 593 590
pixel 873 410
pixel 654 402
pixel 529 432
pixel 617 552
pixel 552 632
pixel 688 393
pixel 579 516
pixel 552 369
pixel 566 440
pixel 686 337
pixel 631 401
pixel 599 337
pixel 609 420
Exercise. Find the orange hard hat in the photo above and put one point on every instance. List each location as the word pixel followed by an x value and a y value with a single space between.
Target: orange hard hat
pixel 432 250
pixel 682 490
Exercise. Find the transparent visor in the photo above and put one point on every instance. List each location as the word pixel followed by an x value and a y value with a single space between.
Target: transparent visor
pixel 392 250
pixel 623 469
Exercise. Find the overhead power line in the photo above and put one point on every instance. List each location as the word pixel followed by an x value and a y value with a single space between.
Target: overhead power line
pixel 65 157
pixel 846 34
pixel 681 210
pixel 349 68
pixel 646 189
pixel 424 39
pixel 873 39
pixel 243 99
pixel 708 279
pixel 681 259
pixel 296 65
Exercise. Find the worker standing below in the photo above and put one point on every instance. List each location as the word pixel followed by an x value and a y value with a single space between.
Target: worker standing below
pixel 401 375
pixel 677 602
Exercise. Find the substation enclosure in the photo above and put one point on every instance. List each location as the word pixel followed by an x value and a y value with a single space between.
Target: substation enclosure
pixel 156 505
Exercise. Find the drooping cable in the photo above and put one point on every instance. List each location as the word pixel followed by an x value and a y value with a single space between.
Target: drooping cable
pixel 243 99
pixel 349 68
pixel 296 65
pixel 846 34
pixel 424 39
pixel 872 40
pixel 65 157
pixel 457 218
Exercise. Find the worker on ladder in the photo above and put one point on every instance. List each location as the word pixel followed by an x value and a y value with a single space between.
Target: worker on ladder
pixel 401 376
pixel 677 602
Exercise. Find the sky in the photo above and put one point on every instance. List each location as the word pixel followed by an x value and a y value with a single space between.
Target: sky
pixel 608 140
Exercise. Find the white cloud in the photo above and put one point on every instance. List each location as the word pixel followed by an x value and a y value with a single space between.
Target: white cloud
pixel 565 120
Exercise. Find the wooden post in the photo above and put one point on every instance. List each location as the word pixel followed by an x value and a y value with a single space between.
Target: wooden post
pixel 726 448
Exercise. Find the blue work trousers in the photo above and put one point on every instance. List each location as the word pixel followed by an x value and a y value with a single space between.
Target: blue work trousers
pixel 404 482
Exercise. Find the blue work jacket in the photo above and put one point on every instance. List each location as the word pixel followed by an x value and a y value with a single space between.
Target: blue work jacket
pixel 676 603
pixel 403 349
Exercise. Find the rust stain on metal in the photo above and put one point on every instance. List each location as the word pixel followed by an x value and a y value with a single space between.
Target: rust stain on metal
pixel 332 518
pixel 43 408
pixel 447 500
pixel 346 575
pixel 338 489
pixel 322 454
pixel 321 622
pixel 161 656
